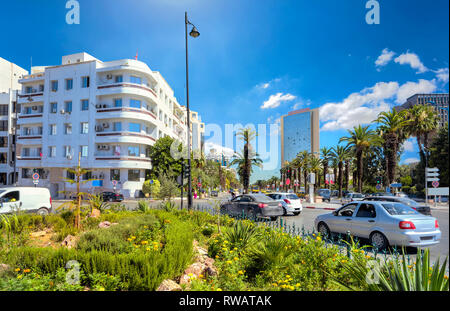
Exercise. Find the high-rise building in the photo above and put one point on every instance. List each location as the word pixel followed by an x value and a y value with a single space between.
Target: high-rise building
pixel 110 113
pixel 438 100
pixel 299 132
pixel 198 132
pixel 9 85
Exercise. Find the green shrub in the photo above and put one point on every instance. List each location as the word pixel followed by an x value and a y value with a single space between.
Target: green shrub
pixel 143 206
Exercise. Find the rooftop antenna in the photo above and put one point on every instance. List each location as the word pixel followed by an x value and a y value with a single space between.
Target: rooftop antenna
pixel 136 57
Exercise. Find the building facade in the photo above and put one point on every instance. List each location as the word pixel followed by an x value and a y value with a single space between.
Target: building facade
pixel 438 100
pixel 299 132
pixel 198 132
pixel 9 85
pixel 107 114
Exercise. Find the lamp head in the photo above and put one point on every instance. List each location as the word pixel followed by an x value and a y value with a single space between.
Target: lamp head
pixel 194 32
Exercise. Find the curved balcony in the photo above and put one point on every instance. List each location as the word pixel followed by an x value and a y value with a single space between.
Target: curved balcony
pixel 29 118
pixel 130 162
pixel 31 98
pixel 127 113
pixel 124 137
pixel 30 139
pixel 127 88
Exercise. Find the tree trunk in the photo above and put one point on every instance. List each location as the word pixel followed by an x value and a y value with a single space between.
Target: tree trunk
pixel 340 179
pixel 359 163
pixel 325 171
pixel 346 171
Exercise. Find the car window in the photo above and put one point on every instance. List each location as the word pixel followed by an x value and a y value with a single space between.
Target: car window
pixel 366 210
pixel 292 197
pixel 399 209
pixel 409 202
pixel 347 211
pixel 245 199
pixel 262 197
pixel 11 196
pixel 237 199
pixel 357 195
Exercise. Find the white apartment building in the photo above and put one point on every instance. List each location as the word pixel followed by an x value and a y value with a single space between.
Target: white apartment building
pixel 9 84
pixel 109 112
pixel 198 132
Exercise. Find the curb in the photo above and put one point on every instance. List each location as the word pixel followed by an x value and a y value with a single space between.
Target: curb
pixel 325 208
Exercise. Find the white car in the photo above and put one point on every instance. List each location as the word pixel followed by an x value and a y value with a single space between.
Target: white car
pixel 352 196
pixel 383 223
pixel 27 199
pixel 291 203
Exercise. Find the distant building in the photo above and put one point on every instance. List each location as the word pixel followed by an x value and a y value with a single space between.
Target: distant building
pixel 435 100
pixel 299 132
pixel 9 85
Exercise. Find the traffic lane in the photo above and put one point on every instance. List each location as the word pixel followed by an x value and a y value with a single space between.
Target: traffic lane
pixel 307 217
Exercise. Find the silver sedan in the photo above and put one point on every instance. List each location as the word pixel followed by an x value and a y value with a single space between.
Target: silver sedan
pixel 383 223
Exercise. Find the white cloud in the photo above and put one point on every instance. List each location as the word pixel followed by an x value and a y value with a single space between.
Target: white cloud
pixel 442 74
pixel 385 57
pixel 413 60
pixel 408 145
pixel 213 149
pixel 266 85
pixel 275 100
pixel 411 160
pixel 364 106
pixel 410 88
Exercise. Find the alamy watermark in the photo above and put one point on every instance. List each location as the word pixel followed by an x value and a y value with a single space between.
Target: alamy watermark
pixel 373 15
pixel 73 15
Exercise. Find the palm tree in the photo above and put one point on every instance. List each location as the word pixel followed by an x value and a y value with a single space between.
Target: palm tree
pixel 314 166
pixel 245 168
pixel 423 121
pixel 326 156
pixel 340 154
pixel 302 161
pixel 359 140
pixel 392 129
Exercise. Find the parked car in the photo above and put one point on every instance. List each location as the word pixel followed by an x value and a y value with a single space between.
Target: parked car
pixel 111 196
pixel 290 202
pixel 352 196
pixel 423 209
pixel 327 194
pixel 214 193
pixel 383 194
pixel 28 199
pixel 383 223
pixel 253 206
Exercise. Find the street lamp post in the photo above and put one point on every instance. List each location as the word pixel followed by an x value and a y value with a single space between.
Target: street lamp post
pixel 194 33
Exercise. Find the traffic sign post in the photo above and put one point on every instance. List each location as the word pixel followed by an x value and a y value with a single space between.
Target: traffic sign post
pixel 431 175
pixel 35 179
pixel 114 182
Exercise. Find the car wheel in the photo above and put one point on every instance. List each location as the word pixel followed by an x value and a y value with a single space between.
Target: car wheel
pixel 42 211
pixel 324 230
pixel 378 240
pixel 273 218
pixel 297 213
pixel 284 211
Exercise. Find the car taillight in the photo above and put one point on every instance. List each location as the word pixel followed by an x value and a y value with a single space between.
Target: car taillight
pixel 406 225
pixel 50 201
pixel 287 201
pixel 414 208
pixel 436 224
pixel 262 205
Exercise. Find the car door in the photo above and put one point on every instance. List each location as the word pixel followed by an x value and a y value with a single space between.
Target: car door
pixel 233 206
pixel 244 205
pixel 10 202
pixel 341 221
pixel 364 220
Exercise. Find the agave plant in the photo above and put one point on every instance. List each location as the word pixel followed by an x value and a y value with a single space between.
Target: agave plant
pixel 242 234
pixel 397 275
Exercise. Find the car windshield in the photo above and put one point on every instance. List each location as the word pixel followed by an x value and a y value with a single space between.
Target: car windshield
pixel 1 191
pixel 261 198
pixel 292 197
pixel 398 209
pixel 357 195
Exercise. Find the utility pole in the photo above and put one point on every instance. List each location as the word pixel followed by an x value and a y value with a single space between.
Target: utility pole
pixel 15 139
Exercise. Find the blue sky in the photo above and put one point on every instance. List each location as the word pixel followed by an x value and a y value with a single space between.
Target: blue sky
pixel 254 60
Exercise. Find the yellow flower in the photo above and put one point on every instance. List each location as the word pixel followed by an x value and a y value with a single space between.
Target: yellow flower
pixel 229 262
pixel 236 259
pixel 19 276
pixel 148 248
pixel 17 269
pixel 240 272
pixel 200 276
pixel 219 289
pixel 275 284
pixel 446 277
pixel 367 256
pixel 144 242
pixel 102 289
pixel 133 237
pixel 26 270
pixel 217 256
pixel 344 261
pixel 297 285
pixel 235 248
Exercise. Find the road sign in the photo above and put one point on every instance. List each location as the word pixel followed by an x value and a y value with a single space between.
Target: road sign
pixel 435 184
pixel 36 176
pixel 114 182
pixel 397 185
pixel 432 169
pixel 388 189
pixel 35 181
pixel 288 181
pixel 432 174
pixel 378 187
pixel 433 179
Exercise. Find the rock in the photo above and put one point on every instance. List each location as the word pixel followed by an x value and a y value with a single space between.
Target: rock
pixel 168 286
pixel 95 213
pixel 104 224
pixel 202 251
pixel 69 241
pixel 4 268
pixel 38 234
pixel 193 271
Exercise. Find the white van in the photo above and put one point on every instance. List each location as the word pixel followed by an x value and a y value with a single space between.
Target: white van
pixel 27 199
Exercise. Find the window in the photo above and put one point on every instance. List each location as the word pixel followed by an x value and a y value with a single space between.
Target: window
pixel 134 103
pixel 133 151
pixel 68 128
pixel 133 175
pixel 29 89
pixel 87 175
pixel 134 127
pixel 84 151
pixel 41 88
pixel 54 84
pixel 52 129
pixel 12 196
pixel 51 151
pixel 366 211
pixel 399 209
pixel 67 151
pixel 84 82
pixel 68 106
pixel 70 175
pixel 3 141
pixel 53 107
pixel 69 84
pixel 347 211
pixel 27 110
pixel 117 102
pixel 84 128
pixel 115 175
pixel 84 104
pixel 26 173
pixel 117 126
pixel 134 79
pixel 3 110
pixel 119 79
